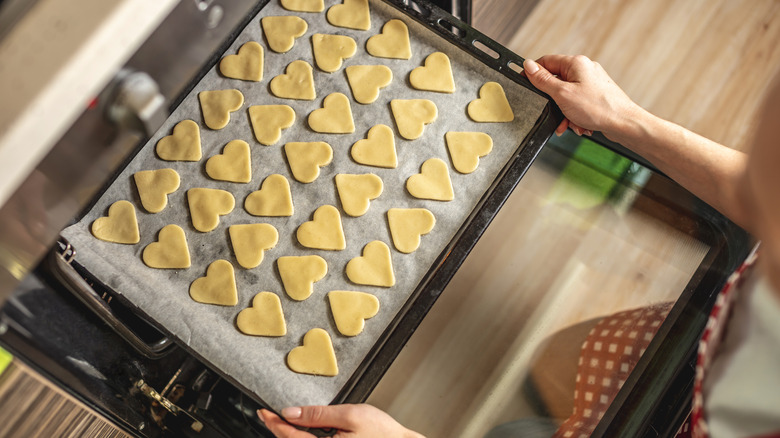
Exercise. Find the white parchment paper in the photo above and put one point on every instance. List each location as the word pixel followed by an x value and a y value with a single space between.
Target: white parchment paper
pixel 258 363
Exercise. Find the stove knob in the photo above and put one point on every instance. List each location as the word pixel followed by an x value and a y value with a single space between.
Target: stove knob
pixel 133 101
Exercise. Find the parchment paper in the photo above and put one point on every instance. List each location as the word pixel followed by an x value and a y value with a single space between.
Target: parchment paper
pixel 258 363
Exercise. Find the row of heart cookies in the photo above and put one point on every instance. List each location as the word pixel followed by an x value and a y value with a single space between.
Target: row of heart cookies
pixel 323 232
pixel 335 116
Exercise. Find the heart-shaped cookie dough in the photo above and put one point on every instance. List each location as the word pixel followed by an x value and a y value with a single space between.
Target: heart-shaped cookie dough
pixel 247 65
pixel 170 251
pixel 366 81
pixel 435 75
pixel 433 182
pixel 374 267
pixel 120 226
pixel 303 5
pixel 352 14
pixel 351 309
pixel 357 191
pixel 315 356
pixel 217 287
pixel 296 83
pixel 323 231
pixel 393 42
pixel 269 120
pixel 492 105
pixel 466 148
pixel 407 225
pixel 273 199
pixel 306 158
pixel 331 50
pixel 182 145
pixel 250 241
pixel 300 273
pixel 264 318
pixel 217 105
pixel 335 116
pixel 411 116
pixel 207 205
pixel 154 186
pixel 233 164
pixel 377 149
pixel 281 32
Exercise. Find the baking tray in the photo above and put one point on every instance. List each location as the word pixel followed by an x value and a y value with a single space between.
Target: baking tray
pixel 457 35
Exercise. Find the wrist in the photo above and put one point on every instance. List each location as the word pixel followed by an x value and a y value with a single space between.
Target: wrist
pixel 632 123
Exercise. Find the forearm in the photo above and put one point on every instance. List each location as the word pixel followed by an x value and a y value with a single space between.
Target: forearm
pixel 711 171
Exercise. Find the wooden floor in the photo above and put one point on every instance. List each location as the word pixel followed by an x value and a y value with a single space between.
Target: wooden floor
pixel 555 255
pixel 545 264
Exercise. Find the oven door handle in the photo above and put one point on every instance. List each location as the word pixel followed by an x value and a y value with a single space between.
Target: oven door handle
pixel 64 272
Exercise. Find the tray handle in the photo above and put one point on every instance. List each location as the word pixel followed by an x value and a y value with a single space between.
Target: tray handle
pixel 462 34
pixel 60 266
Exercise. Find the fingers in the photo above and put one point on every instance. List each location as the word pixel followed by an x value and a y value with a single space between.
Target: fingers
pixel 542 79
pixel 335 416
pixel 562 127
pixel 555 64
pixel 279 427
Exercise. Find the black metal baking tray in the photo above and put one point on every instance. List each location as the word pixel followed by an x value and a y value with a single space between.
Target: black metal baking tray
pixel 398 332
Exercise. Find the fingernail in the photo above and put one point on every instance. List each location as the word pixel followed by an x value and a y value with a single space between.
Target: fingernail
pixel 291 413
pixel 260 415
pixel 577 131
pixel 530 66
pixel 588 132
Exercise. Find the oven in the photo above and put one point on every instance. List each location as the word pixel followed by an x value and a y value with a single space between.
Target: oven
pixel 66 323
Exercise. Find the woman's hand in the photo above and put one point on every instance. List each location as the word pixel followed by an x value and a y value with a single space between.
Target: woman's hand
pixel 350 421
pixel 586 94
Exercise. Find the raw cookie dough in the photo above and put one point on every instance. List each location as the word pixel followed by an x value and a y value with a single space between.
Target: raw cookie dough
pixel 357 191
pixel 217 106
pixel 377 149
pixel 182 145
pixel 170 251
pixel 300 273
pixel 264 317
pixel 366 81
pixel 273 199
pixel 154 186
pixel 315 356
pixel 335 116
pixel 207 205
pixel 492 105
pixel 411 116
pixel 433 182
pixel 351 309
pixel 324 231
pixel 233 164
pixel 466 148
pixel 250 241
pixel 374 267
pixel 296 83
pixel 331 50
pixel 303 5
pixel 407 225
pixel 352 14
pixel 247 65
pixel 120 226
pixel 217 287
pixel 281 32
pixel 393 42
pixel 306 158
pixel 269 120
pixel 435 75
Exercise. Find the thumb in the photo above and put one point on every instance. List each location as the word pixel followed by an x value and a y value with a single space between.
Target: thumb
pixel 334 416
pixel 541 77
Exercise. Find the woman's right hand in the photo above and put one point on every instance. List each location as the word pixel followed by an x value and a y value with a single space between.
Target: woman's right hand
pixel 588 97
